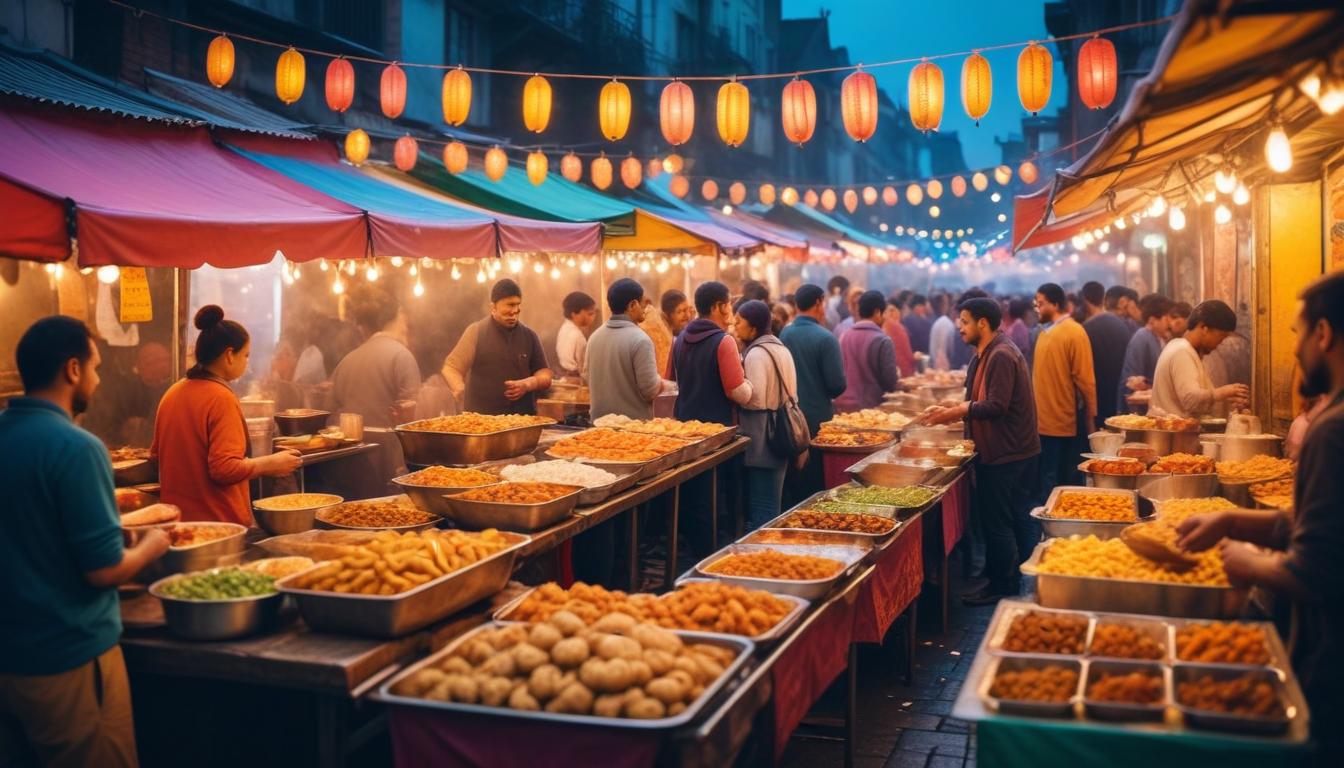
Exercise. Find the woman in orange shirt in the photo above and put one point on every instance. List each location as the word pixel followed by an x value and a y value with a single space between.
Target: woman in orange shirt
pixel 200 436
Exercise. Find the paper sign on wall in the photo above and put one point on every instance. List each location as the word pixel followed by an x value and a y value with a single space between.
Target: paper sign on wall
pixel 136 306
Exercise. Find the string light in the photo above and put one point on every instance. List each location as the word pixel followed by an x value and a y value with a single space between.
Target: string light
pixel 371 274
pixel 419 289
pixel 1221 214
pixel 1176 219
pixel 338 286
pixel 1225 181
pixel 1242 195
pixel 322 265
pixel 109 274
pixel 1278 150
pixel 1158 207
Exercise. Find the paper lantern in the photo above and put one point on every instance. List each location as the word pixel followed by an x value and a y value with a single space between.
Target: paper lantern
pixel 392 91
pixel 734 113
pixel 810 198
pixel 613 110
pixel 219 59
pixel 496 163
pixel 828 199
pixel 977 86
pixel 798 111
pixel 679 185
pixel 404 153
pixel 537 104
pixel 766 194
pixel 737 193
pixel 935 189
pixel 456 96
pixel 709 190
pixel 340 85
pixel 789 196
pixel 676 113
pixel 599 172
pixel 980 181
pixel 571 167
pixel 1035 66
pixel 1097 73
pixel 889 196
pixel 455 157
pixel 926 96
pixel 935 212
pixel 673 163
pixel 858 105
pixel 357 146
pixel 632 172
pixel 914 194
pixel 958 185
pixel 537 166
pixel 851 199
pixel 655 168
pixel 1003 174
pixel 869 195
pixel 1028 173
pixel 289 75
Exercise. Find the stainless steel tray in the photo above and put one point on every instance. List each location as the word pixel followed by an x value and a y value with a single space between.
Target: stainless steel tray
pixel 1157 630
pixel 808 537
pixel 1222 721
pixel 643 470
pixel 1062 528
pixel 215 619
pixel 432 523
pixel 885 468
pixel 810 589
pixel 838 494
pixel 400 614
pixel 1278 654
pixel 1007 613
pixel 871 539
pixel 1107 480
pixel 1060 490
pixel 1125 711
pixel 741 645
pixel 1030 708
pixel 511 517
pixel 860 449
pixel 430 497
pixel 293 520
pixel 199 557
pixel 426 447
pixel 599 494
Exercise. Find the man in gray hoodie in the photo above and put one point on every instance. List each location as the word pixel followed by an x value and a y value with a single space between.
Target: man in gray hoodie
pixel 620 369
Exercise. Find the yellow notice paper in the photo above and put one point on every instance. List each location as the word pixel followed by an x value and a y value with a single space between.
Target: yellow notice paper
pixel 136 306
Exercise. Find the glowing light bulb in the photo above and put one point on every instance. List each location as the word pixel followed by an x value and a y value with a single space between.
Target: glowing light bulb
pixel 371 274
pixel 51 269
pixel 538 268
pixel 586 267
pixel 108 275
pixel 1120 258
pixel 1158 207
pixel 1221 214
pixel 727 210
pixel 555 273
pixel 611 262
pixel 419 289
pixel 296 272
pixel 396 261
pixel 1002 218
pixel 480 277
pixel 456 273
pixel 322 265
pixel 1278 151
pixel 883 226
pixel 644 267
pixel 413 271
pixel 1225 181
pixel 935 211
pixel 1210 196
pixel 1120 223
pixel 1242 195
pixel 337 286
pixel 996 197
pixel 350 269
pixel 1176 219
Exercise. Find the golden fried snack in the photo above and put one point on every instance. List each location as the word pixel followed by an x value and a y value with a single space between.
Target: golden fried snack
pixel 1247 695
pixel 478 423
pixel 1114 467
pixel 374 514
pixel 686 430
pixel 517 493
pixel 1222 642
pixel 614 445
pixel 1111 559
pixel 392 563
pixel 716 607
pixel 1274 493
pixel 1122 641
pixel 871 418
pixel 1037 632
pixel 773 564
pixel 1050 683
pixel 449 477
pixel 842 438
pixel 189 535
pixel 1138 687
pixel 1255 468
pixel 1089 505
pixel 838 521
pixel 589 602
pixel 1183 464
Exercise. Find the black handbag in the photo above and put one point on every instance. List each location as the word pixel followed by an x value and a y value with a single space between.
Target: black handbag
pixel 786 432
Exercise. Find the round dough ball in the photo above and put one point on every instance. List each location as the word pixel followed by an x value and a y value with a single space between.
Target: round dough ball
pixel 495 691
pixel 544 682
pixel 641 671
pixel 544 636
pixel 570 652
pixel 575 699
pixel 456 665
pixel 527 657
pixel 650 636
pixel 609 705
pixel 499 665
pixel 566 622
pixel 615 623
pixel 464 689
pixel 617 647
pixel 521 699
pixel 668 690
pixel 660 662
pixel 645 709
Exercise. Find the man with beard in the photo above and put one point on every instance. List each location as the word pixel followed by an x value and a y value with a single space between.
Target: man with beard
pixel 1303 556
pixel 64 695
pixel 498 365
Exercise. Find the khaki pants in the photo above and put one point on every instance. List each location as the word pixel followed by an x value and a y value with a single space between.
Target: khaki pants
pixel 77 718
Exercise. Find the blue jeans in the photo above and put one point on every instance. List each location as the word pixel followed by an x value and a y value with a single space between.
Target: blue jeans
pixel 765 487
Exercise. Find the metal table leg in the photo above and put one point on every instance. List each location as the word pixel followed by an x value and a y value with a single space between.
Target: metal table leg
pixel 670 570
pixel 632 544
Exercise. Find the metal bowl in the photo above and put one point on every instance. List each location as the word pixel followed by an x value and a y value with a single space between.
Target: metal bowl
pixel 1242 447
pixel 1239 492
pixel 135 472
pixel 1160 487
pixel 297 520
pixel 1165 442
pixel 1105 480
pixel 430 498
pixel 216 619
pixel 427 447
pixel 301 421
pixel 199 557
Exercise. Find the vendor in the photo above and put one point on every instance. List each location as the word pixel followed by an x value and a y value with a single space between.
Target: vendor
pixel 200 436
pixel 65 698
pixel 1181 386
pixel 380 378
pixel 1304 561
pixel 571 344
pixel 498 365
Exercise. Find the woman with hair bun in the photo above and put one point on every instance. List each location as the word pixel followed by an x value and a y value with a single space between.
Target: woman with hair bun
pixel 200 436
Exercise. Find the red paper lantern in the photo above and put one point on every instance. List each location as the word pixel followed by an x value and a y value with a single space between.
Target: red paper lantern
pixel 632 172
pixel 404 153
pixel 676 113
pixel 869 195
pixel 1097 73
pixel 767 194
pixel 496 163
pixel 858 105
pixel 571 167
pixel 455 157
pixel 810 198
pixel 679 185
pixel 654 168
pixel 798 111
pixel 340 85
pixel 1028 172
pixel 537 167
pixel 392 91
pixel 709 190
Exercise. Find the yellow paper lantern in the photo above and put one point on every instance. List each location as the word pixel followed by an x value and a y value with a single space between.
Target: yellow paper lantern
pixel 869 195
pixel 405 152
pixel 789 196
pixel 219 59
pixel 613 110
pixel 737 193
pixel 456 96
pixel 958 185
pixel 357 146
pixel 734 113
pixel 798 111
pixel 810 198
pixel 980 181
pixel 537 167
pixel 632 172
pixel 858 105
pixel 1028 172
pixel 455 157
pixel 676 114
pixel 1035 67
pixel 1003 174
pixel 926 96
pixel 679 185
pixel 673 163
pixel 290 71
pixel 655 168
pixel 536 104
pixel 851 199
pixel 709 190
pixel 977 86
pixel 599 172
pixel 890 196
pixel 935 189
pixel 914 194
pixel 766 194
pixel 571 167
pixel 392 91
pixel 828 199
pixel 496 163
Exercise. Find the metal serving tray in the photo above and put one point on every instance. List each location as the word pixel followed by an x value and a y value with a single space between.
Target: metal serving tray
pixel 396 615
pixel 135 472
pixel 1126 711
pixel 1060 490
pixel 477 515
pixel 882 510
pixel 642 470
pixel 599 494
pixel 1089 593
pixel 1062 529
pixel 430 497
pixel 861 449
pixel 426 447
pixel 811 589
pixel 215 619
pixel 1278 654
pixel 808 537
pixel 1160 487
pixel 291 520
pixel 1030 708
pixel 871 539
pixel 1157 630
pixel 432 523
pixel 1008 613
pixel 1222 721
pixel 886 468
pixel 837 494
pixel 741 645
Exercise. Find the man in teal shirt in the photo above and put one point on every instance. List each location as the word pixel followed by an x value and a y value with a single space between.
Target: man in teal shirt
pixel 821 379
pixel 64 694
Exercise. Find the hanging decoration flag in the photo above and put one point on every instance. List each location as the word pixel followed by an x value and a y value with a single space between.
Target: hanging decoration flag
pixel 980 181
pixel 632 172
pixel 496 163
pixel 219 59
pixel 828 199
pixel 289 75
pixel 1097 73
pixel 613 110
pixel 958 185
pixel 858 105
pixel 977 86
pixel 914 194
pixel 869 195
pixel 766 194
pixel 536 104
pixel 926 96
pixel 789 196
pixel 404 152
pixel 599 172
pixel 357 146
pixel 851 199
pixel 340 85
pixel 676 113
pixel 734 113
pixel 456 96
pixel 709 190
pixel 737 193
pixel 392 91
pixel 571 167
pixel 935 189
pixel 537 166
pixel 1035 66
pixel 890 196
pixel 679 185
pixel 1027 172
pixel 798 111
pixel 455 157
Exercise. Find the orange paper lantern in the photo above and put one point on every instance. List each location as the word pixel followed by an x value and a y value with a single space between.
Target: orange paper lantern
pixel 734 113
pixel 977 86
pixel 935 189
pixel 980 181
pixel 798 111
pixel 655 168
pixel 673 163
pixel 914 194
pixel 600 172
pixel 766 194
pixel 789 196
pixel 1035 67
pixel 537 166
pixel 869 195
pixel 632 172
pixel 455 157
pixel 340 85
pixel 709 190
pixel 357 146
pixel 889 196
pixel 392 91
pixel 810 198
pixel 858 105
pixel 926 96
pixel 571 167
pixel 828 199
pixel 737 193
pixel 613 110
pixel 290 71
pixel 676 113
pixel 496 163
pixel 679 185
pixel 536 104
pixel 456 96
pixel 958 185
pixel 404 153
pixel 1028 172
pixel 1003 174
pixel 219 59
pixel 851 199
pixel 1097 73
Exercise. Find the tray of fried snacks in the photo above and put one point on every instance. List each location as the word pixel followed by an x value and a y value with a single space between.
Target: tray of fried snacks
pixel 704 436
pixel 1130 638
pixel 317 544
pixel 426 487
pixel 1082 511
pixel 1038 686
pixel 1020 628
pixel 617 673
pixel 1183 464
pixel 1256 469
pixel 619 452
pixel 838 517
pixel 598 484
pixel 874 419
pixel 1247 701
pixel 589 602
pixel 842 440
pixel 1137 423
pixel 513 506
pixel 1275 494
pixel 470 438
pixel 391 513
pixel 808 572
pixel 397 583
pixel 1228 643
pixel 1126 690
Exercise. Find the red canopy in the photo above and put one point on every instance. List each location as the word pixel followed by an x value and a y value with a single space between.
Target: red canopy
pixel 155 196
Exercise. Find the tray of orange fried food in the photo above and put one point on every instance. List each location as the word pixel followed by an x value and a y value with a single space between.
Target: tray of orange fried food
pixel 621 451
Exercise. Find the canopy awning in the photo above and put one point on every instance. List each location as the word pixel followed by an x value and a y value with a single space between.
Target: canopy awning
pixel 842 235
pixel 794 244
pixel 142 194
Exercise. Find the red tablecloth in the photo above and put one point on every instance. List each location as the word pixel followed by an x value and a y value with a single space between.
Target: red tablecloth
pixel 956 512
pixel 894 584
pixel 809 666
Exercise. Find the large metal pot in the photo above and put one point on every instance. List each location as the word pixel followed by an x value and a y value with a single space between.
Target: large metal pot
pixel 1163 441
pixel 216 619
pixel 1242 447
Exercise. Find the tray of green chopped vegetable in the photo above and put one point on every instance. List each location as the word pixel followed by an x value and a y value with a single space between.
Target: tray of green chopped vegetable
pixel 906 497
pixel 217 604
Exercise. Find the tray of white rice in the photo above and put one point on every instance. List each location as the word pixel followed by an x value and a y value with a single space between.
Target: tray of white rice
pixel 598 484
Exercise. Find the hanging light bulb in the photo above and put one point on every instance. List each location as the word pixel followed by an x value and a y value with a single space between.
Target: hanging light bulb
pixel 611 262
pixel 1176 219
pixel 456 273
pixel 371 274
pixel 414 271
pixel 108 275
pixel 419 289
pixel 1278 151
pixel 480 276
pixel 555 273
pixel 1225 180
pixel 338 286
pixel 1158 207
pixel 322 265
pixel 538 268
pixel 1210 196
pixel 1221 214
pixel 1242 195
pixel 350 268
pixel 586 267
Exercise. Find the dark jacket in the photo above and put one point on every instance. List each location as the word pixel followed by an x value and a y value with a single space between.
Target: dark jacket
pixel 1109 336
pixel 695 368
pixel 1003 422
pixel 821 372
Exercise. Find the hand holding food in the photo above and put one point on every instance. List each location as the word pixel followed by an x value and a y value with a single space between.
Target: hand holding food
pixel 1200 532
pixel 1112 559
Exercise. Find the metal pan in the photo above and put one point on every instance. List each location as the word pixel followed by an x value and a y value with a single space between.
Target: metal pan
pixel 840 493
pixel 1052 502
pixel 430 497
pixel 853 537
pixel 199 557
pixel 396 615
pixel 1003 624
pixel 885 468
pixel 479 515
pixel 1223 721
pixel 426 447
pixel 809 589
pixel 1158 631
pixel 215 619
pixel 1174 486
pixel 1030 708
pixel 599 494
pixel 1109 481
pixel 1278 654
pixel 135 472
pixel 433 522
pixel 808 537
pixel 742 646
pixel 1055 527
pixel 861 449
pixel 1126 711
pixel 278 521
pixel 642 469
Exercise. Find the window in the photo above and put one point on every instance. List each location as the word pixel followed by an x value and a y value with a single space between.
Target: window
pixel 464 42
pixel 685 39
pixel 359 21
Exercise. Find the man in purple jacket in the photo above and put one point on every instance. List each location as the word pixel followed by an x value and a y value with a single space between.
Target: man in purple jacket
pixel 869 357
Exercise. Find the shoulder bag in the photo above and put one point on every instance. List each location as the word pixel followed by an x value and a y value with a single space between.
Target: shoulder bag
pixel 786 432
